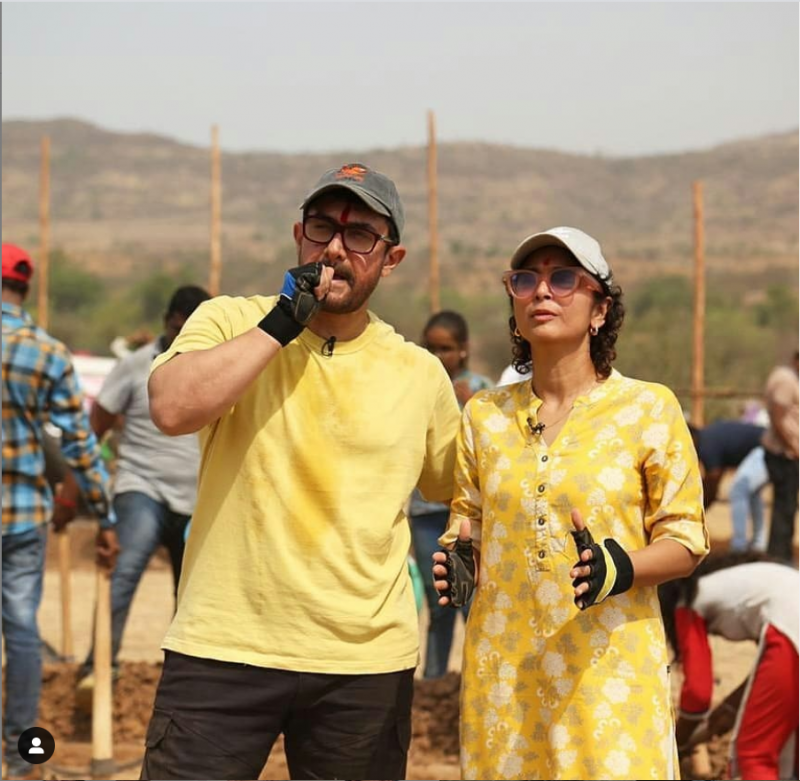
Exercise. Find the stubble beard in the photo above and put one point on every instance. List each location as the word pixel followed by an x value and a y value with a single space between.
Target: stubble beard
pixel 354 298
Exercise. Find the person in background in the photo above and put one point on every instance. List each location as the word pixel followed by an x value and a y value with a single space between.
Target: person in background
pixel 446 335
pixel 735 444
pixel 739 597
pixel 39 385
pixel 577 493
pixel 156 480
pixel 781 455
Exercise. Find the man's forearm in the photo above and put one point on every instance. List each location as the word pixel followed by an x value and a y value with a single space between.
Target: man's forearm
pixel 194 389
pixel 91 476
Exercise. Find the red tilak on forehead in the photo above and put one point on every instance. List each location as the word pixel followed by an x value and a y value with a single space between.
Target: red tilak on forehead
pixel 345 215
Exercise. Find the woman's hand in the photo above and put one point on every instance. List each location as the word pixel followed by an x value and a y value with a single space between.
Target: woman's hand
pixel 454 571
pixel 601 570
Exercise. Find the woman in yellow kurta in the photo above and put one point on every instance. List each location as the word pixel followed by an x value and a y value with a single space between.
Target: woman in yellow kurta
pixel 565 671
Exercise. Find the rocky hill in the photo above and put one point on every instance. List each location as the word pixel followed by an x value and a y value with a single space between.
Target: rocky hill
pixel 120 199
pixel 130 216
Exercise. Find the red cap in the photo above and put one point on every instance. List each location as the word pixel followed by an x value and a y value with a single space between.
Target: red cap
pixel 17 264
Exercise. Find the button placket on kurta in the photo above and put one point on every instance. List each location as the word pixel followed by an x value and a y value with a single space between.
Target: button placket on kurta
pixel 544 456
pixel 538 556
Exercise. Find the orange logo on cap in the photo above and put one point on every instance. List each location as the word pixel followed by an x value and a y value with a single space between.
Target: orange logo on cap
pixel 357 172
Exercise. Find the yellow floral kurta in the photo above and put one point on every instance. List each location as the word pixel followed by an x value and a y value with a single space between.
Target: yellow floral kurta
pixel 549 691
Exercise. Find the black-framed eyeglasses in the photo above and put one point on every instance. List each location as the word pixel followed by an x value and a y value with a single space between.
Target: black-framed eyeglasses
pixel 562 281
pixel 355 238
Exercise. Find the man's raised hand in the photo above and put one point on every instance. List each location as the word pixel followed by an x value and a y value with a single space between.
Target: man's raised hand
pixel 304 289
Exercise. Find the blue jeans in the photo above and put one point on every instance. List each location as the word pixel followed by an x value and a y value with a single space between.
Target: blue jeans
pixel 23 575
pixel 425 532
pixel 745 497
pixel 142 525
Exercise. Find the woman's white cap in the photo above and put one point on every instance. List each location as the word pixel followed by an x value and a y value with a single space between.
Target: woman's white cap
pixel 585 249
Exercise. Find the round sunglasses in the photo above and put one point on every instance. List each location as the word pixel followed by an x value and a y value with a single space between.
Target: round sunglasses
pixel 561 282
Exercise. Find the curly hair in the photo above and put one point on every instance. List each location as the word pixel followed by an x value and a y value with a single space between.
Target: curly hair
pixel 601 347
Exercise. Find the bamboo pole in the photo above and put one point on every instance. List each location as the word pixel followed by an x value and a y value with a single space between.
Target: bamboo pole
pixel 44 232
pixel 65 570
pixel 102 704
pixel 432 216
pixel 720 393
pixel 699 761
pixel 698 353
pixel 43 310
pixel 216 200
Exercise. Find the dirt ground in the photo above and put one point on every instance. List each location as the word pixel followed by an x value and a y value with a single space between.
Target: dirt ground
pixel 434 744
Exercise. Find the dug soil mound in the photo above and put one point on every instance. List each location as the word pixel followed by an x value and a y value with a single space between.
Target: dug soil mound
pixel 434 748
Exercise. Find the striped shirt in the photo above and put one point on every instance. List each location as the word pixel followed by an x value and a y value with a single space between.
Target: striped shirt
pixel 40 384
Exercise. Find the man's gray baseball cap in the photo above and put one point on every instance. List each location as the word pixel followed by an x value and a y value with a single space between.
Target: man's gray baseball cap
pixel 375 189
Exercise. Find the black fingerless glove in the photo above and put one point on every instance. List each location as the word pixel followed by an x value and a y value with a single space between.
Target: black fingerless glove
pixel 460 573
pixel 611 569
pixel 296 305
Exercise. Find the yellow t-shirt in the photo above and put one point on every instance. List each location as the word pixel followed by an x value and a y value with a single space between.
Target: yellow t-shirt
pixel 549 691
pixel 297 554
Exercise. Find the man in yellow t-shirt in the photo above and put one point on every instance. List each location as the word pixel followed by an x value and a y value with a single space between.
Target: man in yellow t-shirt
pixel 295 613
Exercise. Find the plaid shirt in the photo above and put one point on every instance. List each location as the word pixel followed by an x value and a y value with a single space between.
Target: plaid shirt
pixel 39 383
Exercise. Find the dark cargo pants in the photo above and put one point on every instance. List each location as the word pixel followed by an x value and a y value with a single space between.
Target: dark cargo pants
pixel 219 720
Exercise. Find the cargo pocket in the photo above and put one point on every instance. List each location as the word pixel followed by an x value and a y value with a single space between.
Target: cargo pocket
pixel 157 730
pixel 176 750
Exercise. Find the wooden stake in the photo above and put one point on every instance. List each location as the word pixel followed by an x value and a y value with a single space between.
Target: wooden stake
pixel 216 200
pixel 43 266
pixel 65 571
pixel 102 702
pixel 698 354
pixel 432 216
pixel 43 306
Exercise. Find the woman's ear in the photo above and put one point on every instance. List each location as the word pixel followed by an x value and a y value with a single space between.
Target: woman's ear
pixel 600 312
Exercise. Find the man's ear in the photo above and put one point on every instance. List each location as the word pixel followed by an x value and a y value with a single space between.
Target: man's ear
pixel 297 232
pixel 394 257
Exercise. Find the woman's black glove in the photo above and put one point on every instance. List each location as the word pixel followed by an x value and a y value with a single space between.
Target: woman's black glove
pixel 608 571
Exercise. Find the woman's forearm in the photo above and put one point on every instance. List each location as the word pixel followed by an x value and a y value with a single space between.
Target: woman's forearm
pixel 196 388
pixel 661 561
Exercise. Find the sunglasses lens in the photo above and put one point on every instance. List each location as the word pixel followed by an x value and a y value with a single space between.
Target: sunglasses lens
pixel 563 281
pixel 523 283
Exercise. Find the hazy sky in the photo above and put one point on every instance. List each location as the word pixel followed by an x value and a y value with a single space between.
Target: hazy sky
pixel 617 78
